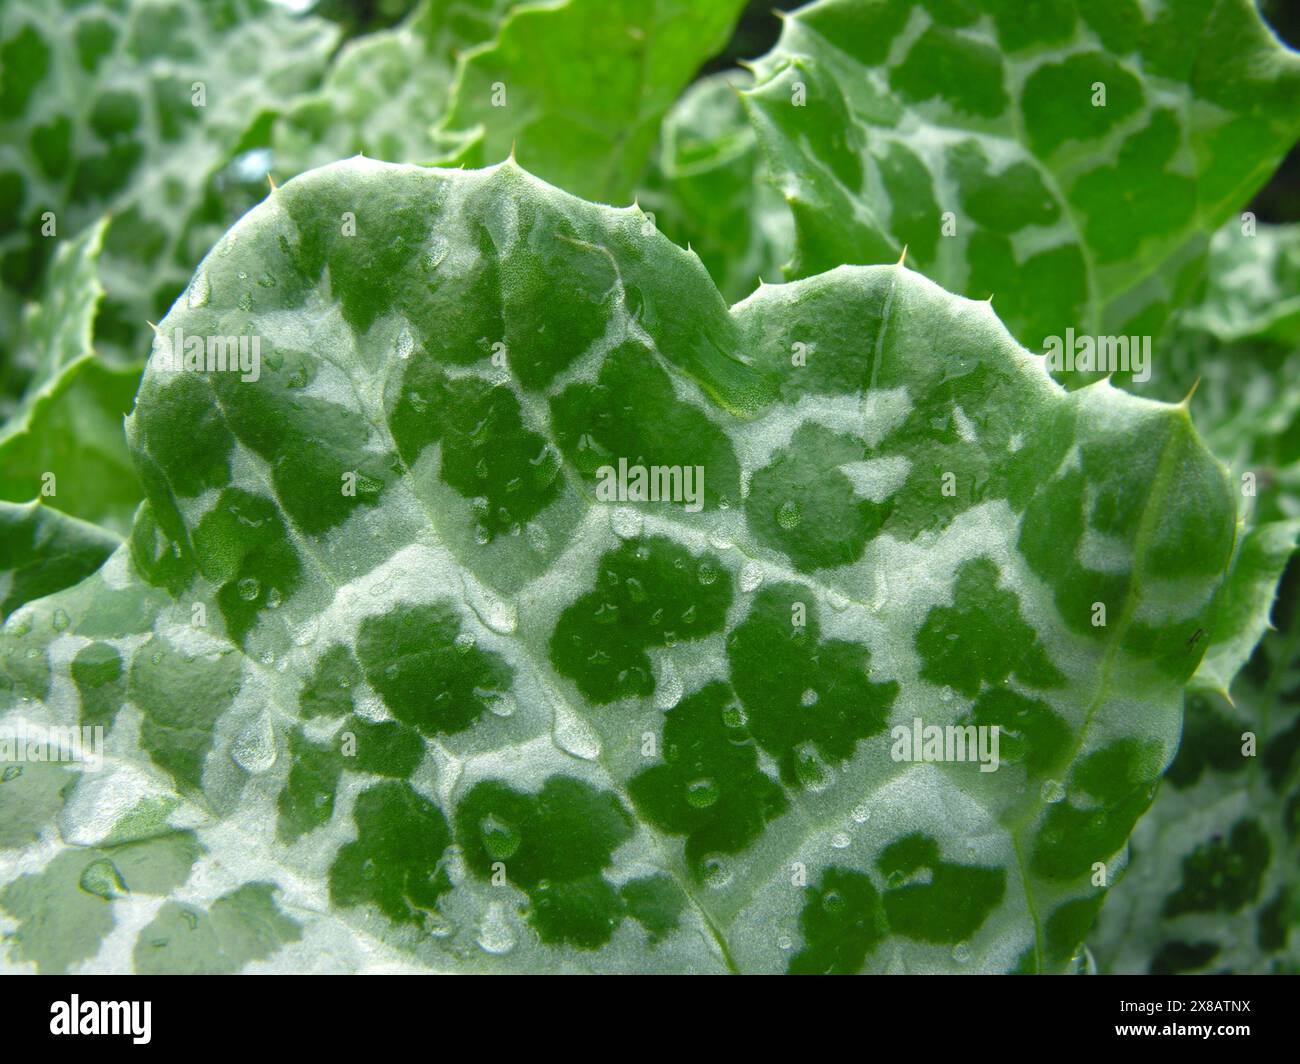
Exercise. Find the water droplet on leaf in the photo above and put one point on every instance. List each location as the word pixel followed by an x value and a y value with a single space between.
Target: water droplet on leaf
pixel 810 768
pixel 701 793
pixel 626 522
pixel 573 735
pixel 254 749
pixel 200 290
pixel 789 515
pixel 500 839
pixel 716 871
pixel 495 935
pixel 102 879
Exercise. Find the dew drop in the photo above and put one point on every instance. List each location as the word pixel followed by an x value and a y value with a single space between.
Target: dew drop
pixel 249 588
pixel 669 688
pixel 1052 791
pixel 861 814
pixel 626 522
pixel 808 698
pixel 102 879
pixel 716 871
pixel 810 768
pixel 789 515
pixel 840 840
pixel 538 538
pixel 573 735
pixel 60 620
pixel 200 290
pixel 500 839
pixel 495 612
pixel 254 749
pixel 495 935
pixel 961 953
pixel 437 251
pixel 405 343
pixel 945 694
pixel 838 601
pixel 500 703
pixel 701 793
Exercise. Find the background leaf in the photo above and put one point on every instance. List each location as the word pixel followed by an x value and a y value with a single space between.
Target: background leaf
pixel 1213 884
pixel 1073 214
pixel 97 114
pixel 707 190
pixel 384 91
pixel 64 443
pixel 43 551
pixel 577 88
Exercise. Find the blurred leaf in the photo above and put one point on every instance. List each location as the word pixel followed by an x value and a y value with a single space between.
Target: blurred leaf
pixel 706 188
pixel 577 88
pixel 1068 158
pixel 132 108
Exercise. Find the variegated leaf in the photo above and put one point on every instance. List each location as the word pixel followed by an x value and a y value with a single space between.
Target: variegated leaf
pixel 387 672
